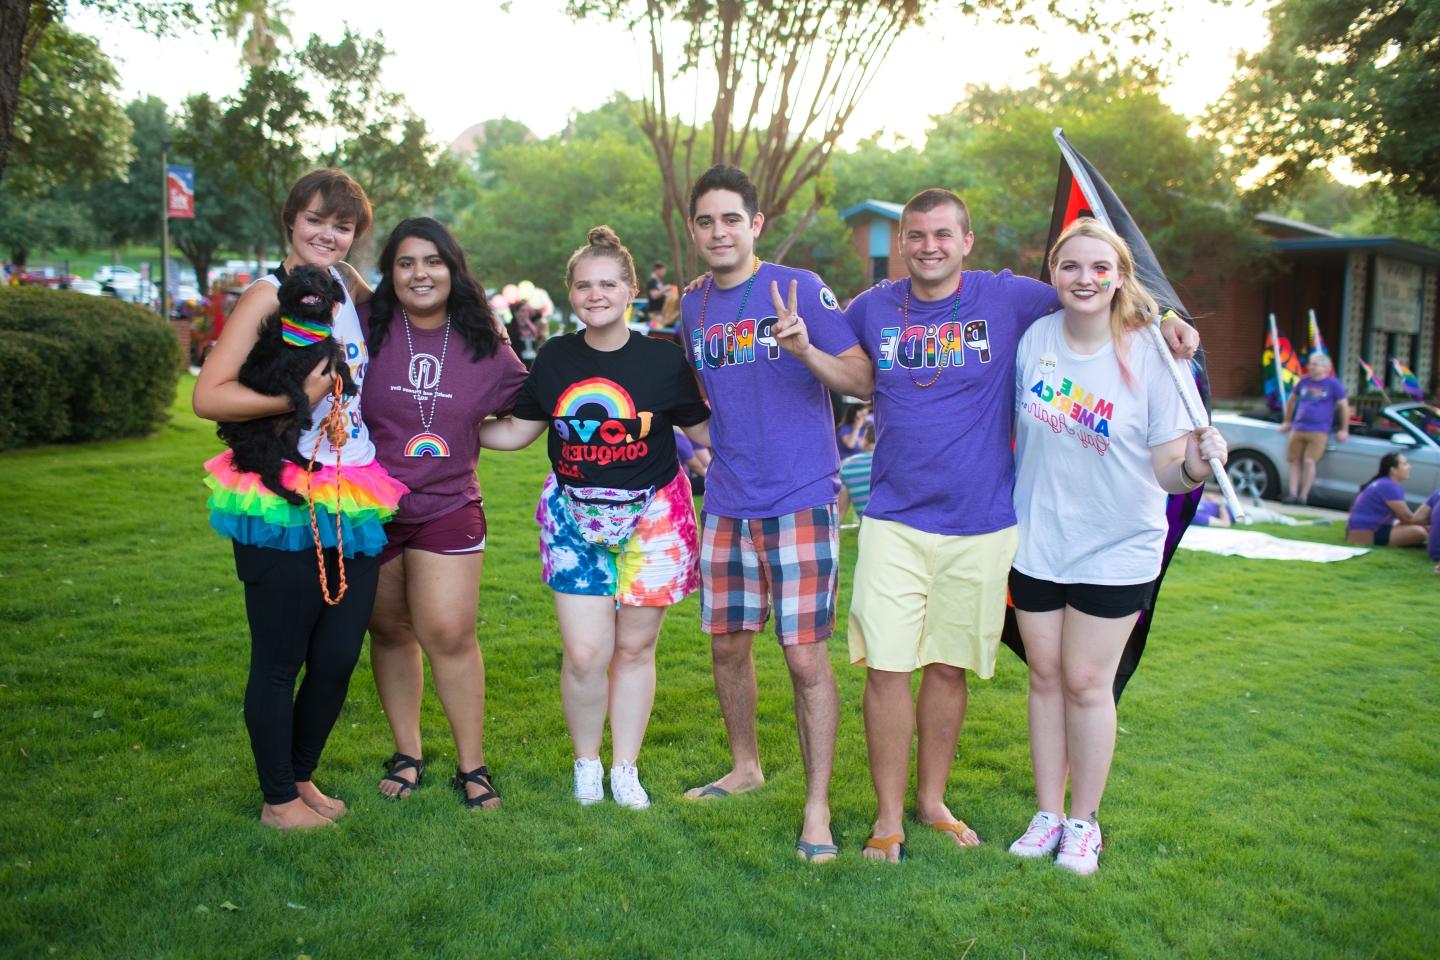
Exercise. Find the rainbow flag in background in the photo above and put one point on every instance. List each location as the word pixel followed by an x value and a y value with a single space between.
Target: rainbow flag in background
pixel 1290 369
pixel 1408 380
pixel 1317 343
pixel 1375 381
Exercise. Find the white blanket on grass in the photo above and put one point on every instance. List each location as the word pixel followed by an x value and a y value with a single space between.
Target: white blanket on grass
pixel 1231 542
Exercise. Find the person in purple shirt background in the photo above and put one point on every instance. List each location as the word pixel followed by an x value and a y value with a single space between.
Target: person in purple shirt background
pixel 1309 416
pixel 766 342
pixel 1381 516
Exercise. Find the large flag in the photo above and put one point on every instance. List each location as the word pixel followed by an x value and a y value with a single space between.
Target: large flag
pixel 1408 380
pixel 1082 192
pixel 1280 370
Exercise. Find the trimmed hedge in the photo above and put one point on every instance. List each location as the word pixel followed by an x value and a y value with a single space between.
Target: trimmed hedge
pixel 75 367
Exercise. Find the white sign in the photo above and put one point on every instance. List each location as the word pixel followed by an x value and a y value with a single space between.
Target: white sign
pixel 1397 295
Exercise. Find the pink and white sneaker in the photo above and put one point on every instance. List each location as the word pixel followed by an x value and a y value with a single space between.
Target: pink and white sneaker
pixel 1041 837
pixel 1080 847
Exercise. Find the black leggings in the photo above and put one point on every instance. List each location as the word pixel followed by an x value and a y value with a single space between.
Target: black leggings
pixel 291 626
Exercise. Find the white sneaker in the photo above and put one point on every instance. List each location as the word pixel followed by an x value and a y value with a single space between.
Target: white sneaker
pixel 1041 837
pixel 589 780
pixel 625 787
pixel 1080 847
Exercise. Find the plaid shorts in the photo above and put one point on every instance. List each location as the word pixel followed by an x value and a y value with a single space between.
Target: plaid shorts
pixel 793 558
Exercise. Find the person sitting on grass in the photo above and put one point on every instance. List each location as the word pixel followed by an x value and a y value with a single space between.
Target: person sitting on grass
pixel 1380 515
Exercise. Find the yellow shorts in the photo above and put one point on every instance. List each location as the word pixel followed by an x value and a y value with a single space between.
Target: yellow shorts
pixel 928 598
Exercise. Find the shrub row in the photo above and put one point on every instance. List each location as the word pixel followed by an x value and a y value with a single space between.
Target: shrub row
pixel 75 367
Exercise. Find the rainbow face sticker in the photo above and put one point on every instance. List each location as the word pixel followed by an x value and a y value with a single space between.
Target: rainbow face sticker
pixel 1102 276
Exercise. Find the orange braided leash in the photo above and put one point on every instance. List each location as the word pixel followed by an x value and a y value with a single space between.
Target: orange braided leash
pixel 337 431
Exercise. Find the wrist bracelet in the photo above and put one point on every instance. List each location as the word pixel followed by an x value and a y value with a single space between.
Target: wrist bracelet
pixel 1190 482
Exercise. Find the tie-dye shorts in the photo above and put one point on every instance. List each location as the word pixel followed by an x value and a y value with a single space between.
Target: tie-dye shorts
pixel 656 567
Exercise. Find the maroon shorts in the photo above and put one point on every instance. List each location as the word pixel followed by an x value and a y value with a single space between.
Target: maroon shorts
pixel 453 534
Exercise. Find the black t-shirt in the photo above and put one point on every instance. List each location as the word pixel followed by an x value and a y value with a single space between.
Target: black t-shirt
pixel 611 412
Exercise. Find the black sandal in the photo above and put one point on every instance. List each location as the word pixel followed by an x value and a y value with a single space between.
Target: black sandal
pixel 398 762
pixel 480 776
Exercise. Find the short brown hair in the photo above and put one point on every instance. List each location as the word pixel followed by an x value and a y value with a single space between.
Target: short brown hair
pixel 927 200
pixel 339 195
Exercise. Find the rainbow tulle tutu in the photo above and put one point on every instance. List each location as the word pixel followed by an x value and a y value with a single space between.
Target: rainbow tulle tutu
pixel 245 510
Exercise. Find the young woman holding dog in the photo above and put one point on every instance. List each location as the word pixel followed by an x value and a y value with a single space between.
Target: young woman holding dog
pixel 291 625
pixel 1101 437
pixel 617 523
pixel 438 368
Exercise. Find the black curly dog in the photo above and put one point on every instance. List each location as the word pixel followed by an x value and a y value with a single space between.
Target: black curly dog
pixel 278 369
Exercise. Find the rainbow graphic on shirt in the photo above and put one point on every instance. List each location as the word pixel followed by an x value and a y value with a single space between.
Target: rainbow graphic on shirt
pixel 606 394
pixel 427 445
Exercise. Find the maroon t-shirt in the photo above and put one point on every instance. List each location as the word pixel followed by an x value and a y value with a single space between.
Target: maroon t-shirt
pixel 424 413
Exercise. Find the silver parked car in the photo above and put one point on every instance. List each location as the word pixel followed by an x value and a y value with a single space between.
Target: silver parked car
pixel 1257 454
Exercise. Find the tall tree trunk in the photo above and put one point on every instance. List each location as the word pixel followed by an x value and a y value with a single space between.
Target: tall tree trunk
pixel 21 23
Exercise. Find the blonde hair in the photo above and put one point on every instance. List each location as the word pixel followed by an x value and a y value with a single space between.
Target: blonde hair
pixel 603 242
pixel 1133 307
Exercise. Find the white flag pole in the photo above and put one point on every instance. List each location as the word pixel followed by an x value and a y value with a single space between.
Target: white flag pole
pixel 1198 419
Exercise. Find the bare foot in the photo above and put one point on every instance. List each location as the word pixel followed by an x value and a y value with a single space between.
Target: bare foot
pixel 295 815
pixel 331 808
pixel 940 818
pixel 732 783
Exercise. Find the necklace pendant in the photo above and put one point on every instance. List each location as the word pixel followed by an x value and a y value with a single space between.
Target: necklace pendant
pixel 427 444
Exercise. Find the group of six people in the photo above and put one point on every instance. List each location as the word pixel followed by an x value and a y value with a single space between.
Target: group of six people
pixel 961 363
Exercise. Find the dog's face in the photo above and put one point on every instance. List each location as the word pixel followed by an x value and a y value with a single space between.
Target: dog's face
pixel 310 293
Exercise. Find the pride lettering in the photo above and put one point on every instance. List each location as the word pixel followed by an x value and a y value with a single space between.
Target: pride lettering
pixel 918 346
pixel 723 344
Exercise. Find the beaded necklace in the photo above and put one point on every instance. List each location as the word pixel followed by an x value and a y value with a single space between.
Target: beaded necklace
pixel 905 321
pixel 739 314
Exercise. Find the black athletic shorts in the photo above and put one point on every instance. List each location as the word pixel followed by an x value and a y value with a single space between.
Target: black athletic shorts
pixel 1096 599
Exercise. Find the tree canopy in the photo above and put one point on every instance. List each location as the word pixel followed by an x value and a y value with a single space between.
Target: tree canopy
pixel 788 77
pixel 1340 79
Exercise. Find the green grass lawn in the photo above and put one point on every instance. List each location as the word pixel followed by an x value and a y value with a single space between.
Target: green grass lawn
pixel 1274 790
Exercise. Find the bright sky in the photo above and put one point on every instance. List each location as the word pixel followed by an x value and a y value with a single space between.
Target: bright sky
pixel 475 62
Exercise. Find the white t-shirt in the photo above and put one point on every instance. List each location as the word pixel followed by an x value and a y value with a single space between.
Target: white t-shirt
pixel 358 450
pixel 1088 505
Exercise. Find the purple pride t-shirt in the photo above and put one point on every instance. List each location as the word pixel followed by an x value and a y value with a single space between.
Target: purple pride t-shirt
pixel 1371 509
pixel 772 425
pixel 944 404
pixel 1315 402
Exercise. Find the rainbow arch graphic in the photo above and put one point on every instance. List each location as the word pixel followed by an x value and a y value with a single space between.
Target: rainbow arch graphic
pixel 427 445
pixel 606 394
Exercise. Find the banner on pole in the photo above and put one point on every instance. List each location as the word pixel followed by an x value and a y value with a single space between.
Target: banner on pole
pixel 179 192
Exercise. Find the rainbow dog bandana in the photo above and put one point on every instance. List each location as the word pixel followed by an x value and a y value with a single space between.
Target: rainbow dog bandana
pixel 302 333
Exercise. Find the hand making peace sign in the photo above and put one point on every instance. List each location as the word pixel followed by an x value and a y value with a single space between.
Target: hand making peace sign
pixel 790 330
